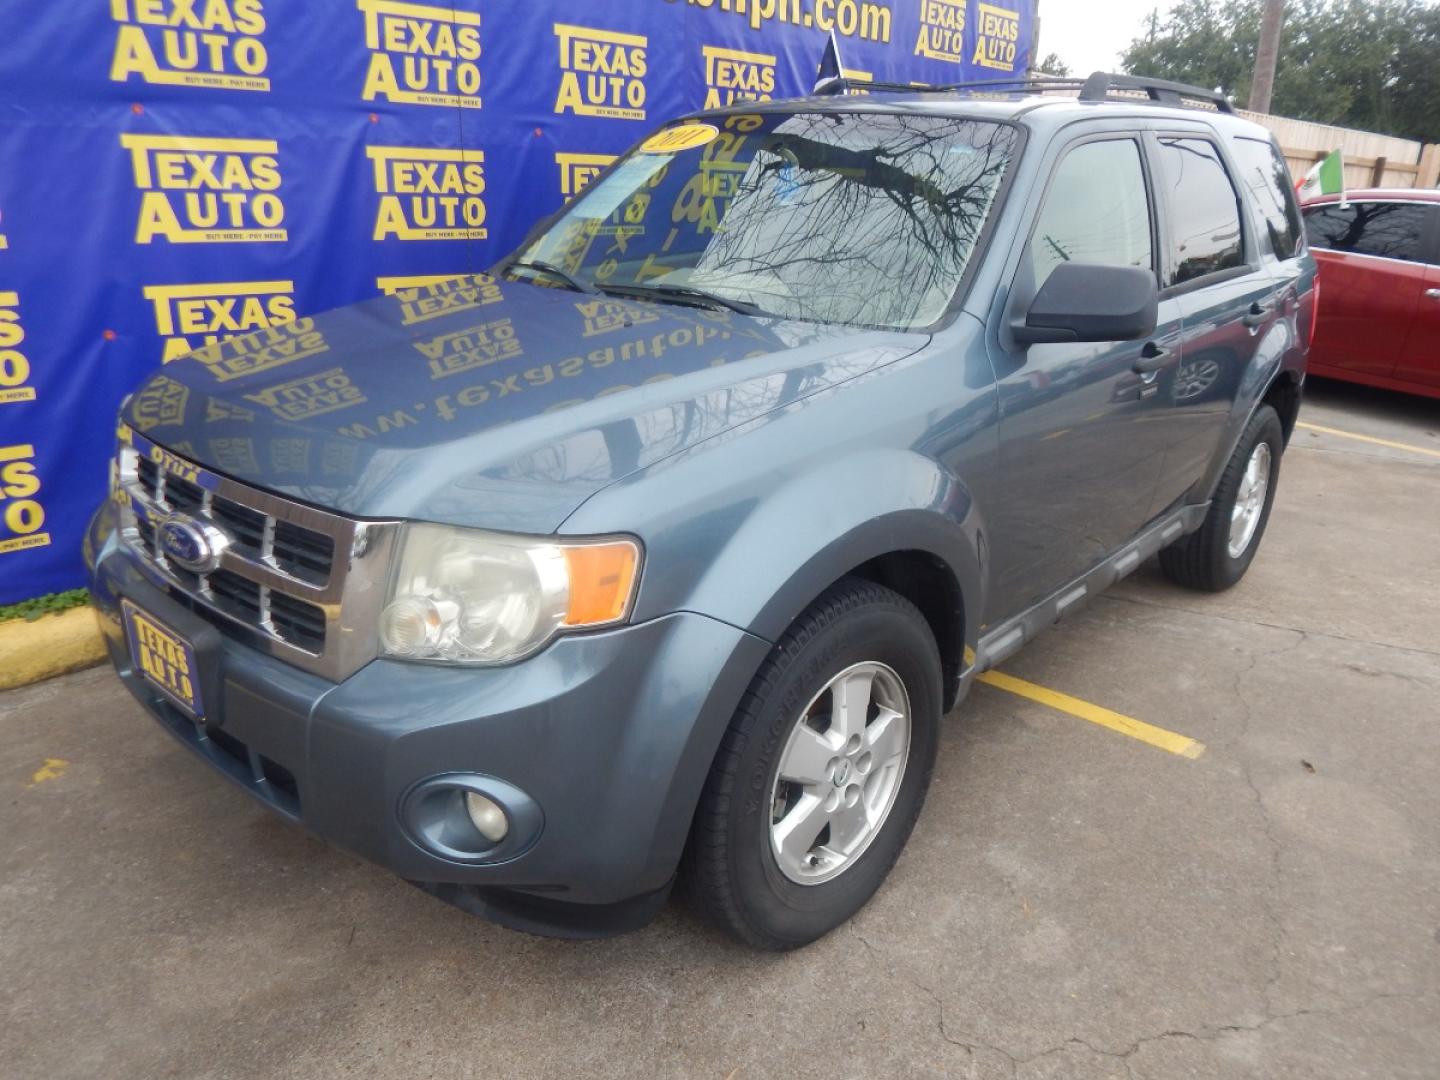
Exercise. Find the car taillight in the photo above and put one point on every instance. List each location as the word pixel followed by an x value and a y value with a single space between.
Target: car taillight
pixel 1314 310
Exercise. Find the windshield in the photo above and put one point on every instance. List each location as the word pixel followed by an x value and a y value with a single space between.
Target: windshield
pixel 861 219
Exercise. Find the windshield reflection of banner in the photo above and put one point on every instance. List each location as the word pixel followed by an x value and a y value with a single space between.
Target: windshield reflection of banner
pixel 211 175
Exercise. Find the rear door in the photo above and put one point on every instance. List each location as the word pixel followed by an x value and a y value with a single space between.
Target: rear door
pixel 1372 279
pixel 1265 178
pixel 1214 266
pixel 1420 356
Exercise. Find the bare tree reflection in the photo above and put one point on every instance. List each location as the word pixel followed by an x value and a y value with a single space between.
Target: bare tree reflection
pixel 859 222
pixel 1389 229
pixel 861 219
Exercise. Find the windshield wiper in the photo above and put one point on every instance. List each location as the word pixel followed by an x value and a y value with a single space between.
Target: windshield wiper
pixel 670 290
pixel 553 270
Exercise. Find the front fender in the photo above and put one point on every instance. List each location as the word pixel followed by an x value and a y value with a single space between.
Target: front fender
pixel 814 531
pixel 756 561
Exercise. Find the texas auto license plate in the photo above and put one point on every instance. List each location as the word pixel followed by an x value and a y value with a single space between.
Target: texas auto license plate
pixel 165 658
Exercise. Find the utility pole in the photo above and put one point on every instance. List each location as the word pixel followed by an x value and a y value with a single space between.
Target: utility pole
pixel 1262 83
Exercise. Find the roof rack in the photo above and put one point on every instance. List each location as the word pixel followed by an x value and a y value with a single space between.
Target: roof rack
pixel 845 82
pixel 1098 87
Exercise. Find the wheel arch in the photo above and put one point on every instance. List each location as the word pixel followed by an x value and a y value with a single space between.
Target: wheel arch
pixel 922 555
pixel 1283 395
pixel 1282 392
pixel 932 586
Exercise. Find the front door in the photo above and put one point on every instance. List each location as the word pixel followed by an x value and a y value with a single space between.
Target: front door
pixel 1078 450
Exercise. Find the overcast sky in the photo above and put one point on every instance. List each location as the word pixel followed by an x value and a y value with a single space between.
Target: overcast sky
pixel 1089 36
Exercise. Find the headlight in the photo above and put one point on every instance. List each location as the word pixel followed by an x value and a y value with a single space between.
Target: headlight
pixel 475 597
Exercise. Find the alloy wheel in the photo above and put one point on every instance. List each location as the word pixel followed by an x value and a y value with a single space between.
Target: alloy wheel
pixel 839 773
pixel 1249 500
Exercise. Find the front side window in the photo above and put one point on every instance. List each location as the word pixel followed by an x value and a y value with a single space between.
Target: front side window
pixel 1204 211
pixel 1266 174
pixel 1096 211
pixel 1390 230
pixel 860 219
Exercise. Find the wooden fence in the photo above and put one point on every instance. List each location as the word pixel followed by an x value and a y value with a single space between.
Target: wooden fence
pixel 1371 160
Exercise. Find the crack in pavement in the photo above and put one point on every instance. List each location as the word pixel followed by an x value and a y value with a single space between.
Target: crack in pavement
pixel 1377 673
pixel 972 1045
pixel 1205 1033
pixel 1208 1034
pixel 1269 625
pixel 1378 454
pixel 1271 901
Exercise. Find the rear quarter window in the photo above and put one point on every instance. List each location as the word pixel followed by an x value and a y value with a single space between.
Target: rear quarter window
pixel 1265 173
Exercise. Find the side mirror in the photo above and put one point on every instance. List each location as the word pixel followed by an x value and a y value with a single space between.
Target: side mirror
pixel 1090 302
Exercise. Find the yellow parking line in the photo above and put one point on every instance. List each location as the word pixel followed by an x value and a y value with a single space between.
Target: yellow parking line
pixel 1370 439
pixel 52 769
pixel 1126 725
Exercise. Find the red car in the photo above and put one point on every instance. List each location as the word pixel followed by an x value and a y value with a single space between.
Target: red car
pixel 1378 253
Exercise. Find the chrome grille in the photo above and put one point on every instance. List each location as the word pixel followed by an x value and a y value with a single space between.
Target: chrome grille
pixel 306 553
pixel 308 582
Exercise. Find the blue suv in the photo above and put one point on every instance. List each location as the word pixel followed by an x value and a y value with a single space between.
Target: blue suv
pixel 660 550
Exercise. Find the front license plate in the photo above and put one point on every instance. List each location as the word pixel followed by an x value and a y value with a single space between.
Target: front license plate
pixel 165 658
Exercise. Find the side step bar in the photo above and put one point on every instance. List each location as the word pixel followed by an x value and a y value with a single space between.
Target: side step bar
pixel 1001 642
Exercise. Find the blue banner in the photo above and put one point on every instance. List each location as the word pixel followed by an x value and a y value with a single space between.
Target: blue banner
pixel 177 172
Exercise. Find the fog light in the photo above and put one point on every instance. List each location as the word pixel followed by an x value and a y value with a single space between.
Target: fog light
pixel 487 817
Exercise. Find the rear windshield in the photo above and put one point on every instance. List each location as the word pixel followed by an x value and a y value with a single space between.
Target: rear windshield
pixel 860 219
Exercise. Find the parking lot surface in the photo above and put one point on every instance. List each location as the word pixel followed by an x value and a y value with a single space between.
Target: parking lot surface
pixel 1074 902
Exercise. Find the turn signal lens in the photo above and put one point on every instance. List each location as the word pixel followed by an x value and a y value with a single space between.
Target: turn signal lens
pixel 602 580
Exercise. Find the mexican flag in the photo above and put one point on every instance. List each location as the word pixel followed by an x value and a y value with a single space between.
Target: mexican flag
pixel 1324 178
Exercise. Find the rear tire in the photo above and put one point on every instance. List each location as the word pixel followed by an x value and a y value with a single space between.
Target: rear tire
pixel 822 772
pixel 1216 555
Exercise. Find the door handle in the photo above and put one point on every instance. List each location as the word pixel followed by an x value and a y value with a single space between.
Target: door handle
pixel 1152 359
pixel 1256 315
pixel 1433 294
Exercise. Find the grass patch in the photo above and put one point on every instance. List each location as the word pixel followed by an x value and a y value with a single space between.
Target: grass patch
pixel 49 604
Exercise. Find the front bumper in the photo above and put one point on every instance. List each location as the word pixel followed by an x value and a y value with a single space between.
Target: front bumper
pixel 610 734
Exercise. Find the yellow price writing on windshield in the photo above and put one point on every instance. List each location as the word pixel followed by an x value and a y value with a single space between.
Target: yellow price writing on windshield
pixel 672 140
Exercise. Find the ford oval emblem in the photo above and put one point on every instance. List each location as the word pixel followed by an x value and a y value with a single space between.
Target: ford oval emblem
pixel 191 544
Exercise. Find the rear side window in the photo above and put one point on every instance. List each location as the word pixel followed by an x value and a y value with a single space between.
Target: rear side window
pixel 1390 230
pixel 1205 235
pixel 1264 172
pixel 1096 210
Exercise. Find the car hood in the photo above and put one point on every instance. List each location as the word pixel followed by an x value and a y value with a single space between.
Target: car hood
pixel 486 403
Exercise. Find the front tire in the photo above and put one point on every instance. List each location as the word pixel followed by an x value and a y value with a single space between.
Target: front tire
pixel 1216 555
pixel 822 772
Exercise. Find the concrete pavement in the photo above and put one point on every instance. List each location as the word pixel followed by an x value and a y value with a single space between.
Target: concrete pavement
pixel 1074 903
